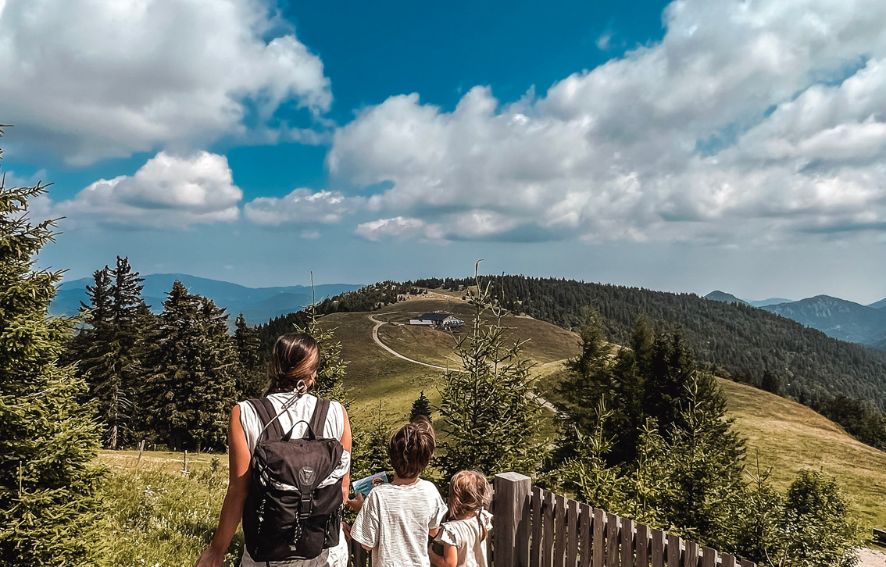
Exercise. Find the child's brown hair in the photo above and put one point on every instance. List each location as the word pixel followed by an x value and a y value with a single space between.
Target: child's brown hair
pixel 412 447
pixel 468 494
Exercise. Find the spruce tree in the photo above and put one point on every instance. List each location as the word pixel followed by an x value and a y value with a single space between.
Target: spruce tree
pixel 111 348
pixel 421 407
pixel 587 473
pixel 589 378
pixel 191 385
pixel 250 379
pixel 701 460
pixel 48 442
pixel 489 415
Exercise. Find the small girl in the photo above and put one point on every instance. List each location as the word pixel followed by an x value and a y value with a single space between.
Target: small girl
pixel 463 537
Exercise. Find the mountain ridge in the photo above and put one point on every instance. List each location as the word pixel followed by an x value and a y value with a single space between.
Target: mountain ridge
pixel 258 304
pixel 836 317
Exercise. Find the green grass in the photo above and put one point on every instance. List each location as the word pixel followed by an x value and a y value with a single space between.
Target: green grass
pixel 789 437
pixel 156 515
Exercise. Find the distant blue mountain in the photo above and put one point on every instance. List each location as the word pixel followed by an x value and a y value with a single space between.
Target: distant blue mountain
pixel 258 304
pixel 837 318
pixel 770 301
pixel 724 297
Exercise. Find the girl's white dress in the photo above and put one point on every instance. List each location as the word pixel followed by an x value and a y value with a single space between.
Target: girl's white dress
pixel 466 537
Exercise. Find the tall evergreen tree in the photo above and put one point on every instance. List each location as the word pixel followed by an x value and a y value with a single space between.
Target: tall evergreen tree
pixel 421 407
pixel 48 442
pixel 489 415
pixel 250 378
pixel 191 385
pixel 704 463
pixel 111 348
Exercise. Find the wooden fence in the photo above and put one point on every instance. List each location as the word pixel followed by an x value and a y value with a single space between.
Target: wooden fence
pixel 536 528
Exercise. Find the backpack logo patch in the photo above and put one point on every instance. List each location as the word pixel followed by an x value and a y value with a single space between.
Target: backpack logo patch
pixel 306 475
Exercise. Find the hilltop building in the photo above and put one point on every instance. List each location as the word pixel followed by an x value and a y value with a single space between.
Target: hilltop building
pixel 438 319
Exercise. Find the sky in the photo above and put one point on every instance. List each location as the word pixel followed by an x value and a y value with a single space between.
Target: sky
pixel 683 146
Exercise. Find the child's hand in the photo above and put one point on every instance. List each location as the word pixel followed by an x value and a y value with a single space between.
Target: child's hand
pixel 356 502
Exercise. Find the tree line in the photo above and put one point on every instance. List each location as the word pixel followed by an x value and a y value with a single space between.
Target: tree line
pixel 169 378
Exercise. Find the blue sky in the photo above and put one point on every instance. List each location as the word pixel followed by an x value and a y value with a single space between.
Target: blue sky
pixel 685 146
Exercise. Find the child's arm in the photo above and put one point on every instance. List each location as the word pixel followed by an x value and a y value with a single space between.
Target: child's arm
pixel 448 559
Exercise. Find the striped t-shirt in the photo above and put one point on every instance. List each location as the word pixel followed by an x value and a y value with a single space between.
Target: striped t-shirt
pixel 395 521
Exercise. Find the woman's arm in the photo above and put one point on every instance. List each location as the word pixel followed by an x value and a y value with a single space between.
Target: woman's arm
pixel 238 485
pixel 346 443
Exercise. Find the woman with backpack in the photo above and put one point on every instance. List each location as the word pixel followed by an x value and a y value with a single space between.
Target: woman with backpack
pixel 289 456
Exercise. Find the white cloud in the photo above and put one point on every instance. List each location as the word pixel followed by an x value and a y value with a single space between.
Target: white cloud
pixel 91 79
pixel 396 227
pixel 301 206
pixel 168 191
pixel 748 121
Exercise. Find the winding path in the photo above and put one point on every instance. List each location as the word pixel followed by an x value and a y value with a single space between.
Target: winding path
pixel 377 340
pixel 378 323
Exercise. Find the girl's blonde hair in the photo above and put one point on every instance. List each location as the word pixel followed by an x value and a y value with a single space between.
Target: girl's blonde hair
pixel 469 494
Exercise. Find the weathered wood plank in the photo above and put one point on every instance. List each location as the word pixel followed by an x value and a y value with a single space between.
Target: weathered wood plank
pixel 585 541
pixel 612 557
pixel 690 558
pixel 536 543
pixel 560 532
pixel 627 542
pixel 642 546
pixel 599 526
pixel 658 547
pixel 548 542
pixel 572 526
pixel 728 560
pixel 708 557
pixel 673 551
pixel 747 563
pixel 510 493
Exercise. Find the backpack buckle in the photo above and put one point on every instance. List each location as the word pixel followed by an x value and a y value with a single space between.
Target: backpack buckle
pixel 306 506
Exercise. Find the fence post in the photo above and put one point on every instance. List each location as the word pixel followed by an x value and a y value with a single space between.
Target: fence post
pixel 510 533
pixel 141 449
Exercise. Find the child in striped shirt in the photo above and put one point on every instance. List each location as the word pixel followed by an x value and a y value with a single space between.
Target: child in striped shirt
pixel 396 519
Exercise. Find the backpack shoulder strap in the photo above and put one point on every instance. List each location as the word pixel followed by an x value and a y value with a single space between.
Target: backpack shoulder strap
pixel 318 420
pixel 267 414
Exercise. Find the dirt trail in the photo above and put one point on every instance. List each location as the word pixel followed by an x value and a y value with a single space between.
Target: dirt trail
pixel 378 323
pixel 871 558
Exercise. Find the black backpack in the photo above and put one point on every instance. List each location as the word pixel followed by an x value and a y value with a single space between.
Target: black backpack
pixel 286 516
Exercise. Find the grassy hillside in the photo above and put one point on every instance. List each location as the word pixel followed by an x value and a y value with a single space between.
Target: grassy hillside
pixel 787 436
pixel 375 375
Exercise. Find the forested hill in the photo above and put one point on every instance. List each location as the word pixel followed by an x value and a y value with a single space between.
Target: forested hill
pixel 745 342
